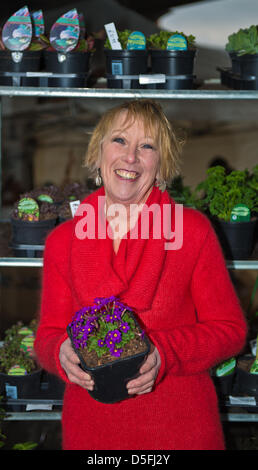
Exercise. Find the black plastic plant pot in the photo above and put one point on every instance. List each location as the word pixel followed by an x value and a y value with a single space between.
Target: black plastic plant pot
pixel 30 61
pixel 236 238
pixel 110 379
pixel 249 65
pixel 129 63
pixel 31 233
pixel 76 63
pixel 235 62
pixel 224 384
pixel 246 383
pixel 20 386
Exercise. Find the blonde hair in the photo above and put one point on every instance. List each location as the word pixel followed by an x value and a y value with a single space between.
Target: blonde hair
pixel 154 121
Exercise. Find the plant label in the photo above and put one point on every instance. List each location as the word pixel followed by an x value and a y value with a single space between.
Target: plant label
pixel 17 31
pixel 226 367
pixel 64 34
pixel 112 36
pixel 45 198
pixel 25 331
pixel 136 40
pixel 27 344
pixel 177 42
pixel 38 23
pixel 17 370
pixel 28 209
pixel 240 213
pixel 74 206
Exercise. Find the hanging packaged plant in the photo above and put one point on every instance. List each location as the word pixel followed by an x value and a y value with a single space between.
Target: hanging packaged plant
pixel 126 57
pixel 172 54
pixel 110 345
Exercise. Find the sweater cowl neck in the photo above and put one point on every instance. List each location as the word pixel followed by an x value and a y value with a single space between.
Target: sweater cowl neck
pixel 134 272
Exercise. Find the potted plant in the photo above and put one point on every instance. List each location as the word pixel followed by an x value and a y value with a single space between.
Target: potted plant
pixel 31 221
pixel 242 47
pixel 68 52
pixel 172 54
pixel 231 202
pixel 223 377
pixel 72 193
pixel 130 61
pixel 110 345
pixel 247 374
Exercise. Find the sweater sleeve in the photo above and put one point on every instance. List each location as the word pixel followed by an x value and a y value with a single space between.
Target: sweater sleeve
pixel 220 328
pixel 55 313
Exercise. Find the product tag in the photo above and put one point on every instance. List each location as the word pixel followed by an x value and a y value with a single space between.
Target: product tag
pixel 64 34
pixel 74 206
pixel 17 370
pixel 136 40
pixel 112 36
pixel 38 23
pixel 253 346
pixel 226 368
pixel 27 344
pixel 25 331
pixel 250 401
pixel 152 78
pixel 28 209
pixel 11 391
pixel 177 42
pixel 40 406
pixel 17 31
pixel 45 198
pixel 117 67
pixel 240 213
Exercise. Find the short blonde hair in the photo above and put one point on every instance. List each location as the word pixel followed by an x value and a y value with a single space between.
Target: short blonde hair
pixel 154 121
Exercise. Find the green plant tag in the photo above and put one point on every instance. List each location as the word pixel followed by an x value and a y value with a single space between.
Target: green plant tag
pixel 24 331
pixel 226 368
pixel 45 198
pixel 17 370
pixel 254 368
pixel 17 31
pixel 177 42
pixel 64 34
pixel 28 209
pixel 136 40
pixel 27 344
pixel 240 213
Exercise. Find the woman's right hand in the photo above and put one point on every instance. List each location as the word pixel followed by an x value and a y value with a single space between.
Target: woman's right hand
pixel 70 363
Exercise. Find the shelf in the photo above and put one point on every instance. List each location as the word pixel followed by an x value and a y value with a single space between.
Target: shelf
pixel 198 94
pixel 38 262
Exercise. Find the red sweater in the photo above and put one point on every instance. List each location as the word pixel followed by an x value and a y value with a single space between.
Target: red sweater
pixel 187 305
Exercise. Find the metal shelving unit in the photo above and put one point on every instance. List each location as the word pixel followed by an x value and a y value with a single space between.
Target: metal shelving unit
pixel 228 412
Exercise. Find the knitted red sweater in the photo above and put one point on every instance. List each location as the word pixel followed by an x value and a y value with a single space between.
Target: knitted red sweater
pixel 187 305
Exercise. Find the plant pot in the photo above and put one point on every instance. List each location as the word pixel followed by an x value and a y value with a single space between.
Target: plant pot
pixel 30 62
pixel 246 383
pixel 236 238
pixel 176 65
pixel 110 379
pixel 76 63
pixel 129 63
pixel 20 386
pixel 248 65
pixel 235 62
pixel 224 384
pixel 31 233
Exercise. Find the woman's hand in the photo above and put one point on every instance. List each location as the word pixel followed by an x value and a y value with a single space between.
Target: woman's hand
pixel 70 363
pixel 148 373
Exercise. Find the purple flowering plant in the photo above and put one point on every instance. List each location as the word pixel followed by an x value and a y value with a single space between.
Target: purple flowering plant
pixel 105 327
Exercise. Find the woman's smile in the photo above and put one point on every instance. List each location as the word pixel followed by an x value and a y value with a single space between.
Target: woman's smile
pixel 126 174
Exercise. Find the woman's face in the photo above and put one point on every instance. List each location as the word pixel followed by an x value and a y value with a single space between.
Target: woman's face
pixel 129 162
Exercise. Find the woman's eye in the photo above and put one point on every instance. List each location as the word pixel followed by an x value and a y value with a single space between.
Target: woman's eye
pixel 119 140
pixel 147 146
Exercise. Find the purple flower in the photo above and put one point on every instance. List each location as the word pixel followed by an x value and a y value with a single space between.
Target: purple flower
pixel 124 327
pixel 101 343
pixel 116 351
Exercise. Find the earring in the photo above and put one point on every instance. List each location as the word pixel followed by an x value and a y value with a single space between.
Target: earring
pixel 98 179
pixel 161 185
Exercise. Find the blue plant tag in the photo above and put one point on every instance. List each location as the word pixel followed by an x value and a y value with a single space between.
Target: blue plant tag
pixel 117 67
pixel 38 23
pixel 64 34
pixel 17 31
pixel 136 40
pixel 177 42
pixel 240 213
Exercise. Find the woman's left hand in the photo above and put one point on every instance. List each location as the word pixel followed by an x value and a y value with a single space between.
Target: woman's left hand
pixel 148 373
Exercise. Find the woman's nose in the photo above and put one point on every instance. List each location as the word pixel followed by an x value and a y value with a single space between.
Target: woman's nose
pixel 132 154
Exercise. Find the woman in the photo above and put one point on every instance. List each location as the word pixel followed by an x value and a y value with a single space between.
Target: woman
pixel 182 295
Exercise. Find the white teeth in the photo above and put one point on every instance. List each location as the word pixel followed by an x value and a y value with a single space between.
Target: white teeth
pixel 126 174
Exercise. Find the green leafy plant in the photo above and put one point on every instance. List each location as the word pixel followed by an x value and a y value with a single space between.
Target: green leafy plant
pixel 122 37
pixel 181 193
pixel 159 40
pixel 221 192
pixel 244 41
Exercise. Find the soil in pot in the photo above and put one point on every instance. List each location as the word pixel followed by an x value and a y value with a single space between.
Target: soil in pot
pixel 125 62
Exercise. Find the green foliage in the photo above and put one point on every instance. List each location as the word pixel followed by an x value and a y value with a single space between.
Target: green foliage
pixel 244 41
pixel 12 354
pixel 29 445
pixel 159 40
pixel 221 192
pixel 182 194
pixel 122 37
